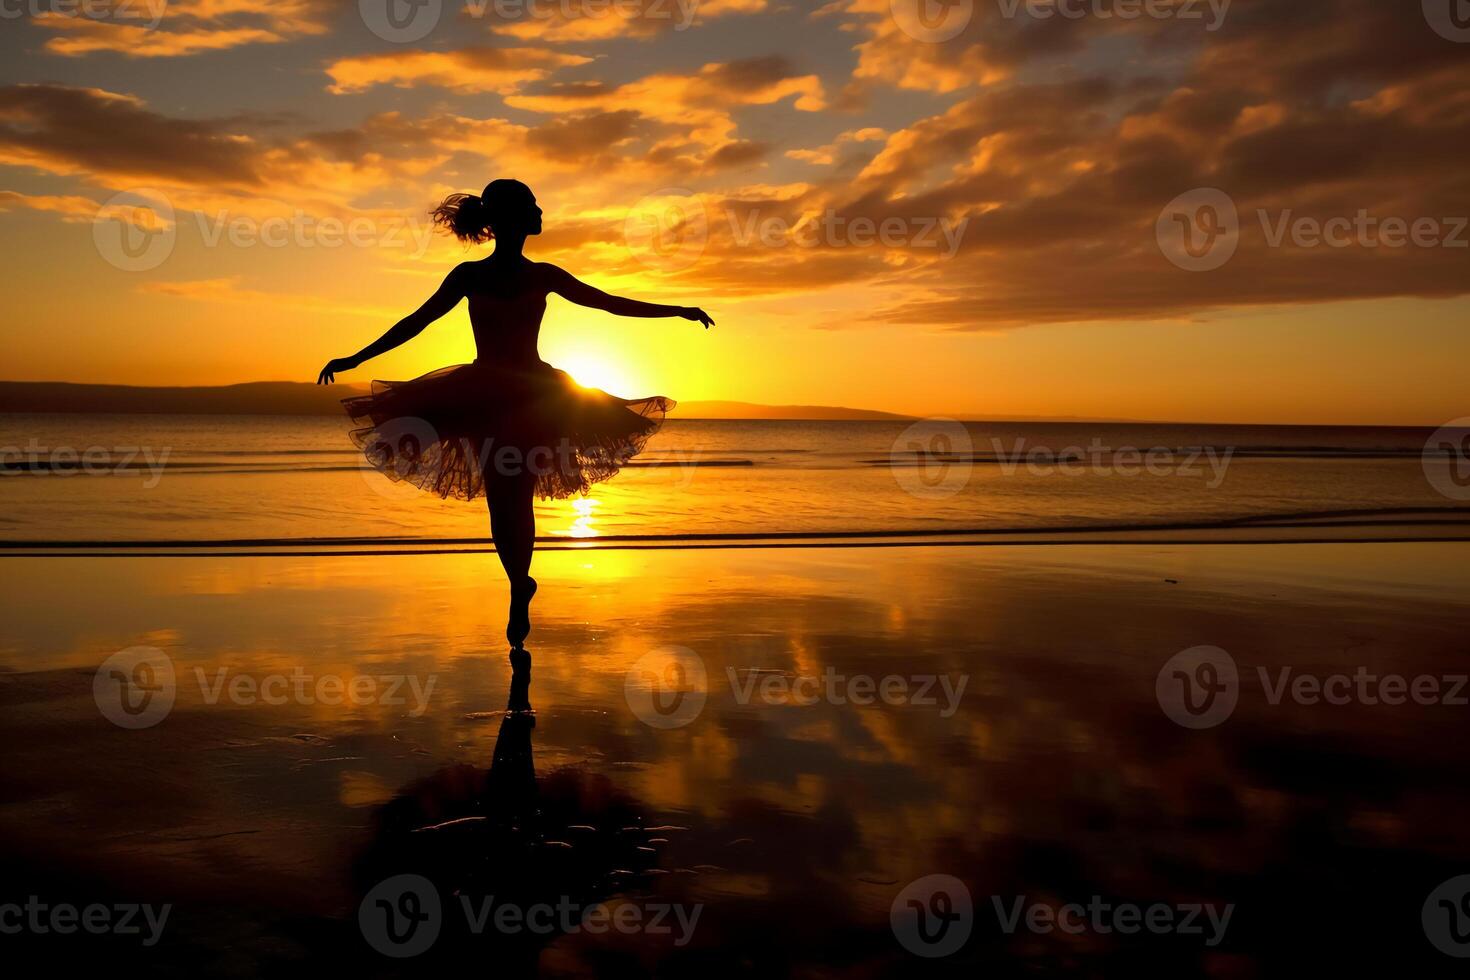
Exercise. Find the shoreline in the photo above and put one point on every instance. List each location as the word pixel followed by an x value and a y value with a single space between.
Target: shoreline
pixel 1333 527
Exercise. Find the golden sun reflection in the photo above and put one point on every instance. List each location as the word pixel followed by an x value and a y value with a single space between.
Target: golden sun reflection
pixel 582 524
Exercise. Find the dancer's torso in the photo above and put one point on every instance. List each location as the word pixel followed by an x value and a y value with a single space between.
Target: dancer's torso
pixel 506 305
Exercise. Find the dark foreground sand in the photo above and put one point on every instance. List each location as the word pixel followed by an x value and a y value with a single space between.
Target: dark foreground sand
pixel 767 834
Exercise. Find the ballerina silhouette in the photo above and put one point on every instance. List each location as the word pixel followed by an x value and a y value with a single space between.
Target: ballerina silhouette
pixel 509 426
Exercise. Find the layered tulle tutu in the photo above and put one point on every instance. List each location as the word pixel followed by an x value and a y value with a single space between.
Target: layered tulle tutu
pixel 445 431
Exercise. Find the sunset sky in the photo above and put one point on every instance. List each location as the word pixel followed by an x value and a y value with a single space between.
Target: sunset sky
pixel 1049 143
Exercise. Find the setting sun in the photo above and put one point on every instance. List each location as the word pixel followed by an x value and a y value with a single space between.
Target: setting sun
pixel 597 371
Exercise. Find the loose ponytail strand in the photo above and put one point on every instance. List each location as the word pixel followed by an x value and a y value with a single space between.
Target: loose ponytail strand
pixel 465 216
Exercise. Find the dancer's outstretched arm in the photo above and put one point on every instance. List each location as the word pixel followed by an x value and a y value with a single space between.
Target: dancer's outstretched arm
pixel 446 298
pixel 569 287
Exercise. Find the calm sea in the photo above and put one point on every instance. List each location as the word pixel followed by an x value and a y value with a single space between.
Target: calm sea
pixel 253 479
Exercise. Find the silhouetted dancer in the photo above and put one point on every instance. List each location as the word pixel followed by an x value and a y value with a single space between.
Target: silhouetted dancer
pixel 509 426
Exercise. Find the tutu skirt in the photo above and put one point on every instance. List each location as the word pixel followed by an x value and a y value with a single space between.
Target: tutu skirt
pixel 447 431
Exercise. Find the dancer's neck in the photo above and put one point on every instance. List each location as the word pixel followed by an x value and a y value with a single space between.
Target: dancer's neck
pixel 509 249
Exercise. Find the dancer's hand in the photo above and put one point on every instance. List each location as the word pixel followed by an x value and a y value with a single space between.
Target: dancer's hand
pixel 696 314
pixel 336 364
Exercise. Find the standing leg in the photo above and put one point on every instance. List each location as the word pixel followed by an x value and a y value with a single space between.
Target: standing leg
pixel 513 527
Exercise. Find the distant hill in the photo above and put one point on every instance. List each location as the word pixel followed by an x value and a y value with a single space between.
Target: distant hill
pixel 750 410
pixel 298 398
pixel 256 398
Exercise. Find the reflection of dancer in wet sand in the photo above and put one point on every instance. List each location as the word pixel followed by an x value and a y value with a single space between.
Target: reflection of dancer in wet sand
pixel 509 426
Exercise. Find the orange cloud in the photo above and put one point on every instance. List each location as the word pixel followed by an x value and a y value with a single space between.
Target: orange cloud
pixel 467 70
pixel 569 21
pixel 178 28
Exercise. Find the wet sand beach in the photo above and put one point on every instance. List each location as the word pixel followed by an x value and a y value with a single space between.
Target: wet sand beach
pixel 869 718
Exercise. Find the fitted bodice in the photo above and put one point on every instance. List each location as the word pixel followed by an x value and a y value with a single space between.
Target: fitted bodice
pixel 506 328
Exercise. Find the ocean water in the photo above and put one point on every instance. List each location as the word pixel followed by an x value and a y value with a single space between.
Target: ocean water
pixel 248 480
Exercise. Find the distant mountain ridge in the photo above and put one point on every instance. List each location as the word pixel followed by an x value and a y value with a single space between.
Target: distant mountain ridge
pixel 299 398
pixel 751 410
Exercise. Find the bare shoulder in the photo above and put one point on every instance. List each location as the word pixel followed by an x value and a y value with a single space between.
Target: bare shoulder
pixel 549 272
pixel 460 277
pixel 555 279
